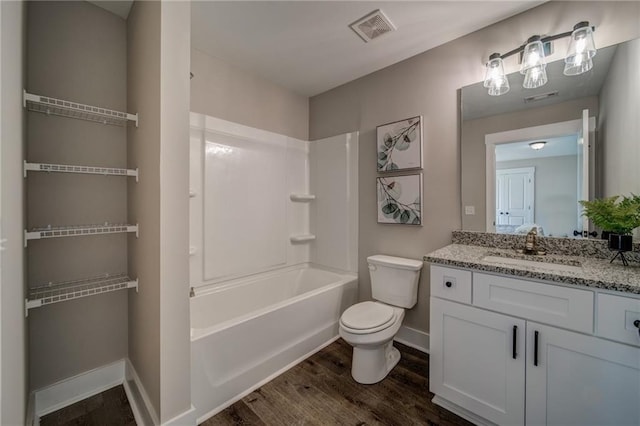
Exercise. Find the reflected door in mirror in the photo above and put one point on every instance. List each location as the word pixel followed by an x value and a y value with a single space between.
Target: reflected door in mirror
pixel 514 198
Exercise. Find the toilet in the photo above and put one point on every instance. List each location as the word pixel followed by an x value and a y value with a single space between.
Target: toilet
pixel 371 326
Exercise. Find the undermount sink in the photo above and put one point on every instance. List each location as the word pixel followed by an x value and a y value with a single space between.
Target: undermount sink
pixel 553 265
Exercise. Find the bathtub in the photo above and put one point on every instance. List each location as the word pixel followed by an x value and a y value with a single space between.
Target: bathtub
pixel 248 331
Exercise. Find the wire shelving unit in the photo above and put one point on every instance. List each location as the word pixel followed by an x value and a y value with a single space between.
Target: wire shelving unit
pixel 77 231
pixel 69 290
pixel 66 168
pixel 52 106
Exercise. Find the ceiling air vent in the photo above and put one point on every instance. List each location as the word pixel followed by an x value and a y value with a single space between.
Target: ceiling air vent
pixel 540 97
pixel 372 26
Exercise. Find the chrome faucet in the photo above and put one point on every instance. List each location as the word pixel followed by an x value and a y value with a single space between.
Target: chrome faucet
pixel 531 243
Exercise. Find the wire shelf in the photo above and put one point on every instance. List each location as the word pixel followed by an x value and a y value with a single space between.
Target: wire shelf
pixel 69 290
pixel 303 238
pixel 302 198
pixel 62 108
pixel 77 230
pixel 65 168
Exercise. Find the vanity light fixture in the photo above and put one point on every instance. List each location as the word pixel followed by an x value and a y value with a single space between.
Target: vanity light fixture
pixel 495 80
pixel 537 145
pixel 578 60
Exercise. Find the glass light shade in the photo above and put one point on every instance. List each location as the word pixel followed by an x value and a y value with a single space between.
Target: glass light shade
pixel 535 77
pixel 537 145
pixel 495 80
pixel 581 50
pixel 533 55
pixel 577 68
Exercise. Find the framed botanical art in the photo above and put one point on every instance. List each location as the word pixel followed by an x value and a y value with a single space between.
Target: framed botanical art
pixel 400 199
pixel 399 145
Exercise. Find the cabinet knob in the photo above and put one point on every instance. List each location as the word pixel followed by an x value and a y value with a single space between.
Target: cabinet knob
pixel 636 323
pixel 448 284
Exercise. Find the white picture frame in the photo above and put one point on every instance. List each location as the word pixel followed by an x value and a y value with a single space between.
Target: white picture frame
pixel 399 145
pixel 400 199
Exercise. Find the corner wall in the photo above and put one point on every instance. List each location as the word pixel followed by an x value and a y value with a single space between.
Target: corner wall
pixel 143 97
pixel 158 79
pixel 13 325
pixel 427 84
pixel 618 122
pixel 222 90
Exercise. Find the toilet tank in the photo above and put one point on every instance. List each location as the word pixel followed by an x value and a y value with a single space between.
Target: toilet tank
pixel 394 280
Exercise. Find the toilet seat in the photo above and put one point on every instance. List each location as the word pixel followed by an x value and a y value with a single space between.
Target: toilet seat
pixel 367 318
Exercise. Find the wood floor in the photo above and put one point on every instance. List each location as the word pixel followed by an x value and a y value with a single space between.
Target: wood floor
pixel 318 391
pixel 321 391
pixel 108 408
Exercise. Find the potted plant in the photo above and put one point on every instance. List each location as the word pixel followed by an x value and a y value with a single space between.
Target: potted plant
pixel 619 215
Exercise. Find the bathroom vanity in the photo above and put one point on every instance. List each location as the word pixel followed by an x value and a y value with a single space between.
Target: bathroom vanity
pixel 534 340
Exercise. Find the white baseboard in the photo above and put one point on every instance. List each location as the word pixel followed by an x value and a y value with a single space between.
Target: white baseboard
pixel 413 338
pixel 84 385
pixel 77 388
pixel 462 412
pixel 186 418
pixel 143 410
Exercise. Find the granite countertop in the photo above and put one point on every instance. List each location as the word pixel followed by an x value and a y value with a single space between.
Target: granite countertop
pixel 594 272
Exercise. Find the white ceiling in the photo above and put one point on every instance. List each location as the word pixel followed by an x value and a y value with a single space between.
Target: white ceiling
pixel 307 46
pixel 555 147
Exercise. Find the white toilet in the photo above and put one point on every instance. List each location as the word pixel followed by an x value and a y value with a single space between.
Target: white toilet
pixel 370 326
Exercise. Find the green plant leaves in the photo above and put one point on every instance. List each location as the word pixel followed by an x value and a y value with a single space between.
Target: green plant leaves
pixel 610 215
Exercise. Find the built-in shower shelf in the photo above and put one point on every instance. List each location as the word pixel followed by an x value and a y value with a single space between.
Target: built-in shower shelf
pixel 302 198
pixel 91 170
pixel 302 238
pixel 77 231
pixel 69 290
pixel 59 107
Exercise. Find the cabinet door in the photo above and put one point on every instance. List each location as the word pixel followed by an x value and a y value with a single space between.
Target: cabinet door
pixel 580 380
pixel 475 363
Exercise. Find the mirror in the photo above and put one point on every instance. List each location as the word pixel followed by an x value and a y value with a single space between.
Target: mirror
pixel 509 187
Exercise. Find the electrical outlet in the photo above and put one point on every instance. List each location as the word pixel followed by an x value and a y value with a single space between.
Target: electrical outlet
pixel 470 210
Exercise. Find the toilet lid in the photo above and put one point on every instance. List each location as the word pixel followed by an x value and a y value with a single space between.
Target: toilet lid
pixel 367 315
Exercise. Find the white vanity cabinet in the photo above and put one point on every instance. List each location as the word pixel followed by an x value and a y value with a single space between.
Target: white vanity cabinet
pixel 577 379
pixel 473 362
pixel 571 356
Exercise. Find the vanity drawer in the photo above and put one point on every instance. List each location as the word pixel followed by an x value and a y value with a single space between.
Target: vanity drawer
pixel 616 316
pixel 564 307
pixel 450 283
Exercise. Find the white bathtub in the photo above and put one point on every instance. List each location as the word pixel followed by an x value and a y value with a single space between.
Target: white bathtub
pixel 250 330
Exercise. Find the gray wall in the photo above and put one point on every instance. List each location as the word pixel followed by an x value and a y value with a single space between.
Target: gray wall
pixel 222 90
pixel 13 325
pixel 143 96
pixel 158 81
pixel 556 198
pixel 76 51
pixel 427 84
pixel 473 148
pixel 619 122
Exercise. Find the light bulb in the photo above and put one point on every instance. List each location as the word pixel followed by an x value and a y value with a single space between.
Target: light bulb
pixel 535 77
pixel 581 50
pixel 495 79
pixel 533 55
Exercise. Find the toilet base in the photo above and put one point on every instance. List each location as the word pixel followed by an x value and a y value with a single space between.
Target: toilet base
pixel 371 364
